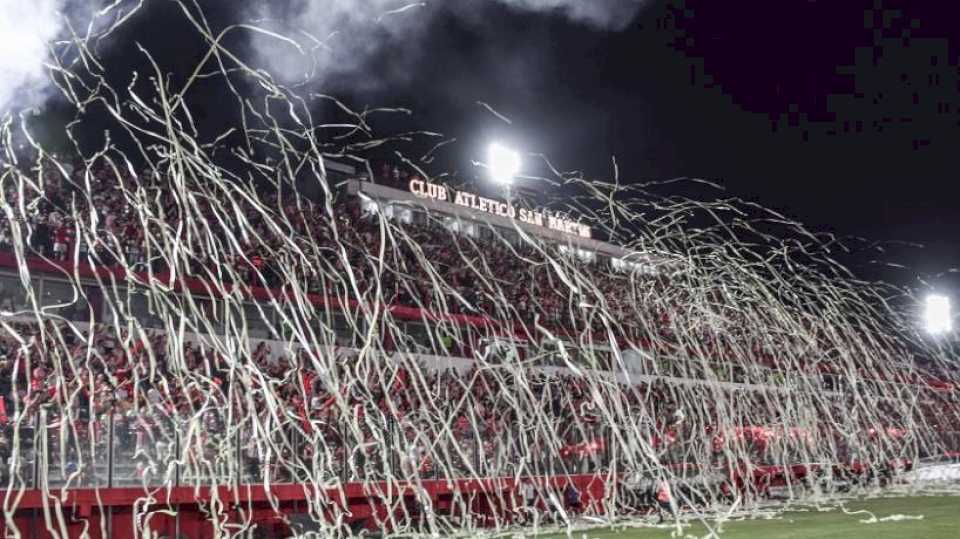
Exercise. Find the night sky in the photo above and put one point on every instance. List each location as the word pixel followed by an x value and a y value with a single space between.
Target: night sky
pixel 843 114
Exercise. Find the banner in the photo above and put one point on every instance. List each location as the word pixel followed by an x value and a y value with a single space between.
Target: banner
pixel 442 193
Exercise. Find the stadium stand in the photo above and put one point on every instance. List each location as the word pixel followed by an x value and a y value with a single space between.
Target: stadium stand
pixel 92 400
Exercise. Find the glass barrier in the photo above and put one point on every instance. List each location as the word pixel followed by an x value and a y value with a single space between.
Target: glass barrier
pixel 74 455
pixel 20 467
pixel 209 453
pixel 154 449
pixel 144 309
pixel 62 298
pixel 145 448
pixel 952 441
pixel 13 297
pixel 492 453
pixel 297 457
pixel 447 463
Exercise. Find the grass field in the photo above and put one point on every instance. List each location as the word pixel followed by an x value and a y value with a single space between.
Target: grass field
pixel 941 520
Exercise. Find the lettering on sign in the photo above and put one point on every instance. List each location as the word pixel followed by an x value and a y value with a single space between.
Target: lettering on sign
pixel 544 218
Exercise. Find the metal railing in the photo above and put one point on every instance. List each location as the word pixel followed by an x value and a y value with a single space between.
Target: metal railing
pixel 122 450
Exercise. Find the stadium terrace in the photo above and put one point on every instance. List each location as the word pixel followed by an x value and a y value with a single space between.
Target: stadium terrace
pixel 233 305
pixel 392 360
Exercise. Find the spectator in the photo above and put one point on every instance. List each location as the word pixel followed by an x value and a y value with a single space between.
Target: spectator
pixel 665 501
pixel 572 497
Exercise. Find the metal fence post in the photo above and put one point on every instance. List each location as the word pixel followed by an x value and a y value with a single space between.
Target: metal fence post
pixel 176 468
pixel 37 451
pixel 110 454
pixel 34 528
pixel 395 437
pixel 476 450
pixel 345 464
pixel 110 464
pixel 237 475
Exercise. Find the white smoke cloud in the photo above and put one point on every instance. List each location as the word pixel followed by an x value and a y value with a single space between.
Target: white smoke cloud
pixel 604 14
pixel 34 41
pixel 335 37
pixel 27 28
pixel 338 37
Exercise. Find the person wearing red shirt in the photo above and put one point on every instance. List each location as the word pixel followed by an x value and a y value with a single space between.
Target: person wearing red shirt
pixel 61 237
pixel 665 499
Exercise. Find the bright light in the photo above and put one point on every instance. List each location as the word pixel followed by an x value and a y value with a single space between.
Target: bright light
pixel 504 163
pixel 936 315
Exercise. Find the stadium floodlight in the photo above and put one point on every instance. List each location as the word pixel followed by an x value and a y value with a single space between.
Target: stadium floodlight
pixel 503 162
pixel 936 314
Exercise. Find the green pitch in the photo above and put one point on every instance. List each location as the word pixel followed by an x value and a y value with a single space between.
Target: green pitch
pixel 941 520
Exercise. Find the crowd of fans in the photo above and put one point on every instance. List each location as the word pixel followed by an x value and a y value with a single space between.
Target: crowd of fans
pixel 425 264
pixel 347 413
pixel 146 395
pixel 369 420
pixel 272 239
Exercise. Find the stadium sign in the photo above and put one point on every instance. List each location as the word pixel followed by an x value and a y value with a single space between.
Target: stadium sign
pixel 544 218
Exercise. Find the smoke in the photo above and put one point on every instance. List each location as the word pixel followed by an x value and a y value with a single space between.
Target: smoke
pixel 337 39
pixel 41 37
pixel 27 28
pixel 612 15
pixel 331 38
pixel 327 39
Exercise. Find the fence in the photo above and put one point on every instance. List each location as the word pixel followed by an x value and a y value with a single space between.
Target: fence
pixel 151 450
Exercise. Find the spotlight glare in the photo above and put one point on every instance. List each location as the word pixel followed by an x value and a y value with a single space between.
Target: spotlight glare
pixel 936 315
pixel 503 162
